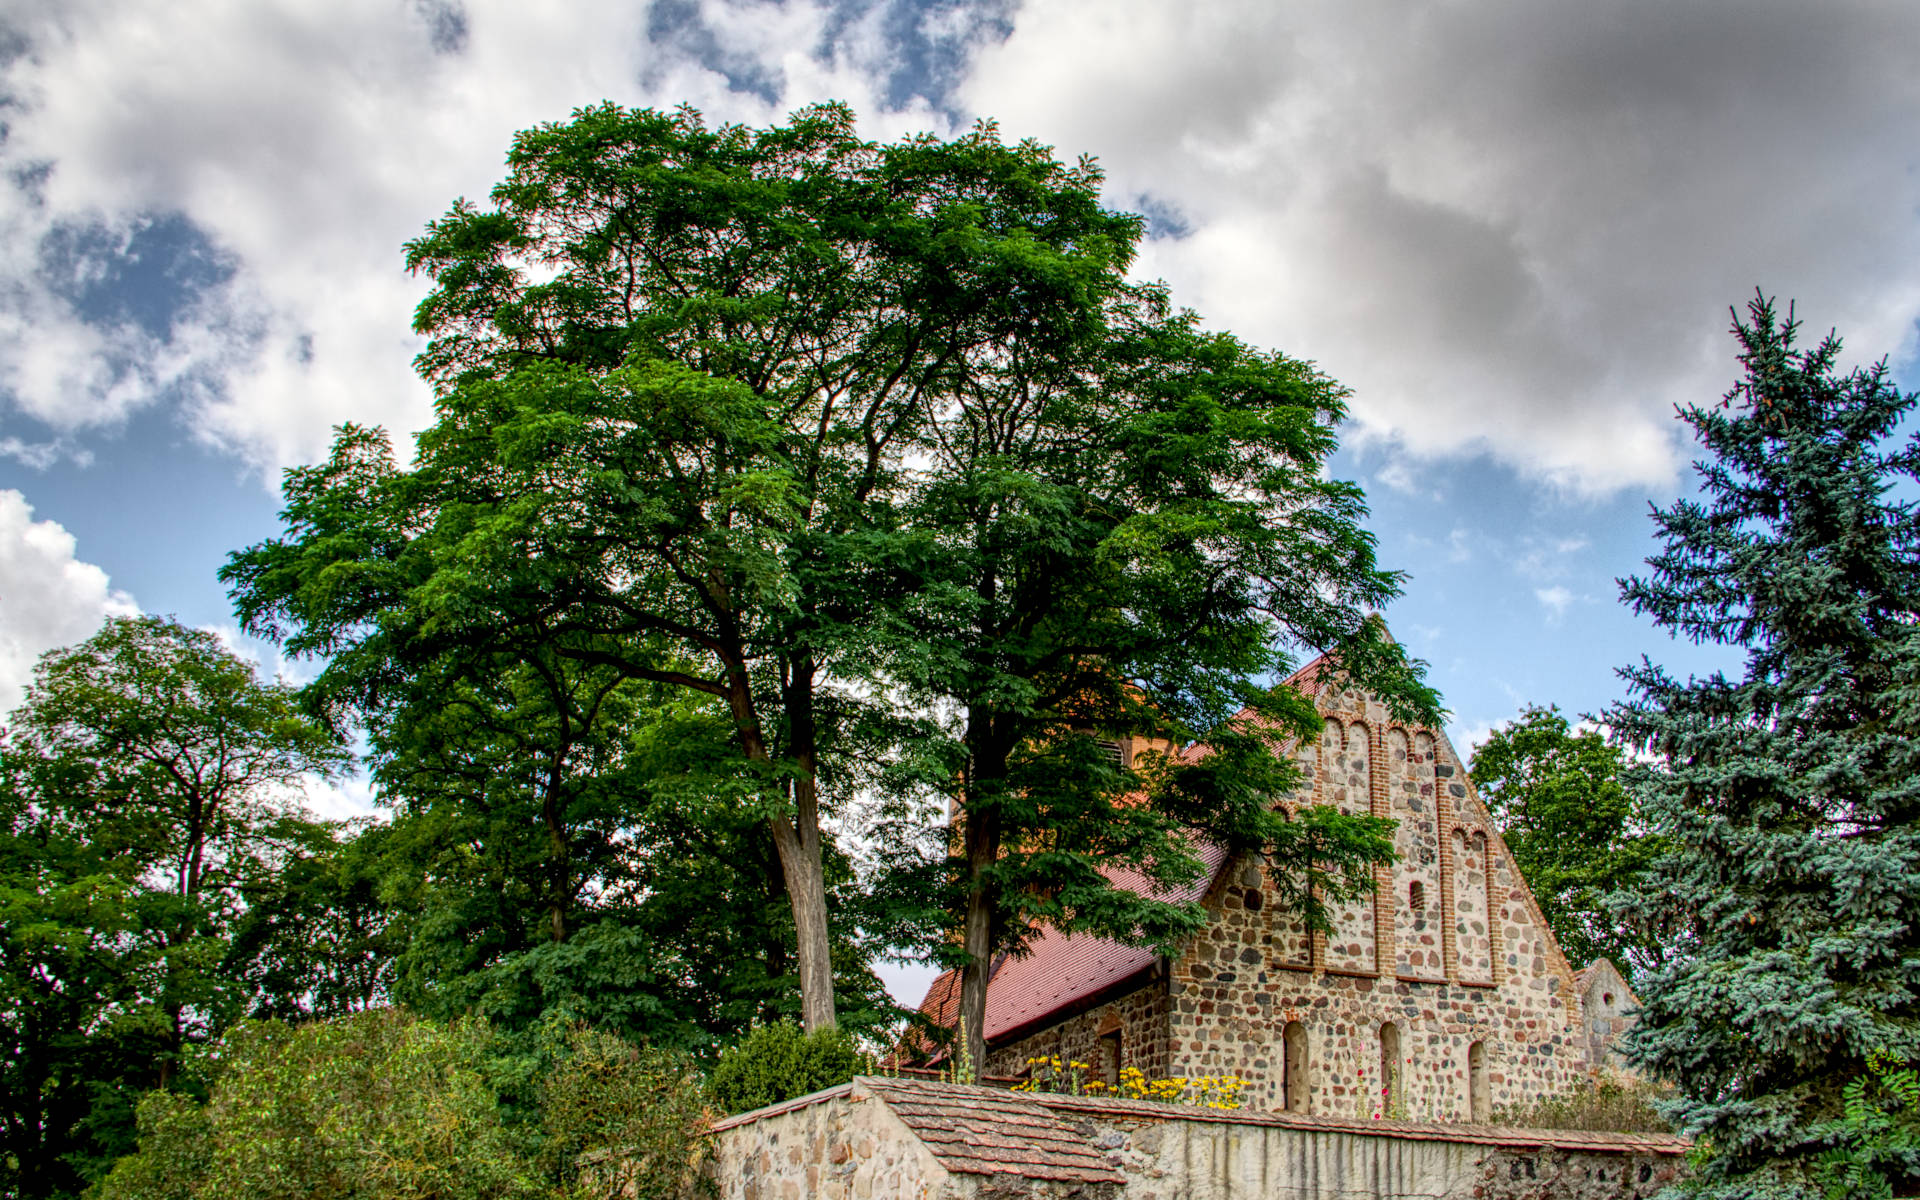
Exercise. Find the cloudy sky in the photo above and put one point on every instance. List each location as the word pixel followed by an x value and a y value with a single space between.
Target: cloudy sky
pixel 1512 227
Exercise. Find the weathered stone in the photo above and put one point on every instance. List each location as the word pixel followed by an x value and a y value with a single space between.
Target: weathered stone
pixel 936 1141
pixel 1427 954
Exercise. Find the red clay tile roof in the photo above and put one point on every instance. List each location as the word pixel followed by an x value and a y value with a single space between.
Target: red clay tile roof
pixel 1061 970
pixel 986 1131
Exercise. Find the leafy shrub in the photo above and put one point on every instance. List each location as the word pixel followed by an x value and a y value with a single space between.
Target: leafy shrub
pixel 778 1062
pixel 384 1104
pixel 630 1112
pixel 1878 1134
pixel 173 1157
pixel 1607 1102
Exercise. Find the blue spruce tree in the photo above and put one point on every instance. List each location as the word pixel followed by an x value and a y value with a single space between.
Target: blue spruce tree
pixel 1791 794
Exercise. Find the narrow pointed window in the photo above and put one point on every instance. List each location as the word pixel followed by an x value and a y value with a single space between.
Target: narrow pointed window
pixel 1479 1090
pixel 1393 1096
pixel 1298 1081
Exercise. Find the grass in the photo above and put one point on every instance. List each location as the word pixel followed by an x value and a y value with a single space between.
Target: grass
pixel 1607 1102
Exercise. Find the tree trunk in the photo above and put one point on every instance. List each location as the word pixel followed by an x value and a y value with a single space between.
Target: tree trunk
pixel 980 925
pixel 558 847
pixel 776 943
pixel 807 892
pixel 175 1042
pixel 796 839
pixel 807 886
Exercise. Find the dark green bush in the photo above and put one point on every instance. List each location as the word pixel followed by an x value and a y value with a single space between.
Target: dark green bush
pixel 778 1062
pixel 629 1115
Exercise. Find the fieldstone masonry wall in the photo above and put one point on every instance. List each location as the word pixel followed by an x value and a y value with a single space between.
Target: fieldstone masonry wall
pixel 1415 881
pixel 1491 975
pixel 1345 781
pixel 925 1140
pixel 834 1149
pixel 1609 1005
pixel 1140 1018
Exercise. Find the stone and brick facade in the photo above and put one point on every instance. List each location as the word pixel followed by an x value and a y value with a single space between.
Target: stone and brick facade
pixel 881 1139
pixel 1441 997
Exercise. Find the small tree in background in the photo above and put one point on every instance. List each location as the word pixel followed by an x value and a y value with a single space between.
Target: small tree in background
pixel 149 788
pixel 1790 796
pixel 1557 797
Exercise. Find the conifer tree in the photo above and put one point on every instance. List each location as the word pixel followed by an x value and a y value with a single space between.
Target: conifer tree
pixel 1790 794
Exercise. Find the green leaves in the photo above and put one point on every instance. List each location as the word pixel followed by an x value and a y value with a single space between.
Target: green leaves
pixel 1573 831
pixel 777 1062
pixel 386 1104
pixel 1878 1132
pixel 810 428
pixel 144 790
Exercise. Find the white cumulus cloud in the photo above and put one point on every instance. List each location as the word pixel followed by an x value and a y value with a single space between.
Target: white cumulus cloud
pixel 307 140
pixel 48 597
pixel 1556 600
pixel 1512 227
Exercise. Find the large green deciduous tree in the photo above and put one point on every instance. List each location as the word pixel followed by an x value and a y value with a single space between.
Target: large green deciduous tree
pixel 148 785
pixel 80 1029
pixel 800 426
pixel 1557 797
pixel 1790 795
pixel 679 372
pixel 1137 537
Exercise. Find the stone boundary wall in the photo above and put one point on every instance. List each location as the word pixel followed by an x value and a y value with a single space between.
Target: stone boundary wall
pixel 826 1145
pixel 852 1143
pixel 1172 1153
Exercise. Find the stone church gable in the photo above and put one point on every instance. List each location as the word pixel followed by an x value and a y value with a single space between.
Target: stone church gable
pixel 1442 996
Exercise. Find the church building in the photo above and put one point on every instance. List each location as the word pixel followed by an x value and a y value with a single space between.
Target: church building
pixel 1442 997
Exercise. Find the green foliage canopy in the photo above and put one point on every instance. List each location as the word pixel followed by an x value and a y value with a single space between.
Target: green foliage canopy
pixel 1557 797
pixel 680 370
pixel 1136 539
pixel 144 786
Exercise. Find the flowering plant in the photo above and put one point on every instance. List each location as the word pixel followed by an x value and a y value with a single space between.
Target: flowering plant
pixel 1066 1075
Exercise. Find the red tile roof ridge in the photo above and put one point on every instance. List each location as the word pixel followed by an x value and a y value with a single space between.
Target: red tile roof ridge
pixel 1487 1135
pixel 954 1119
